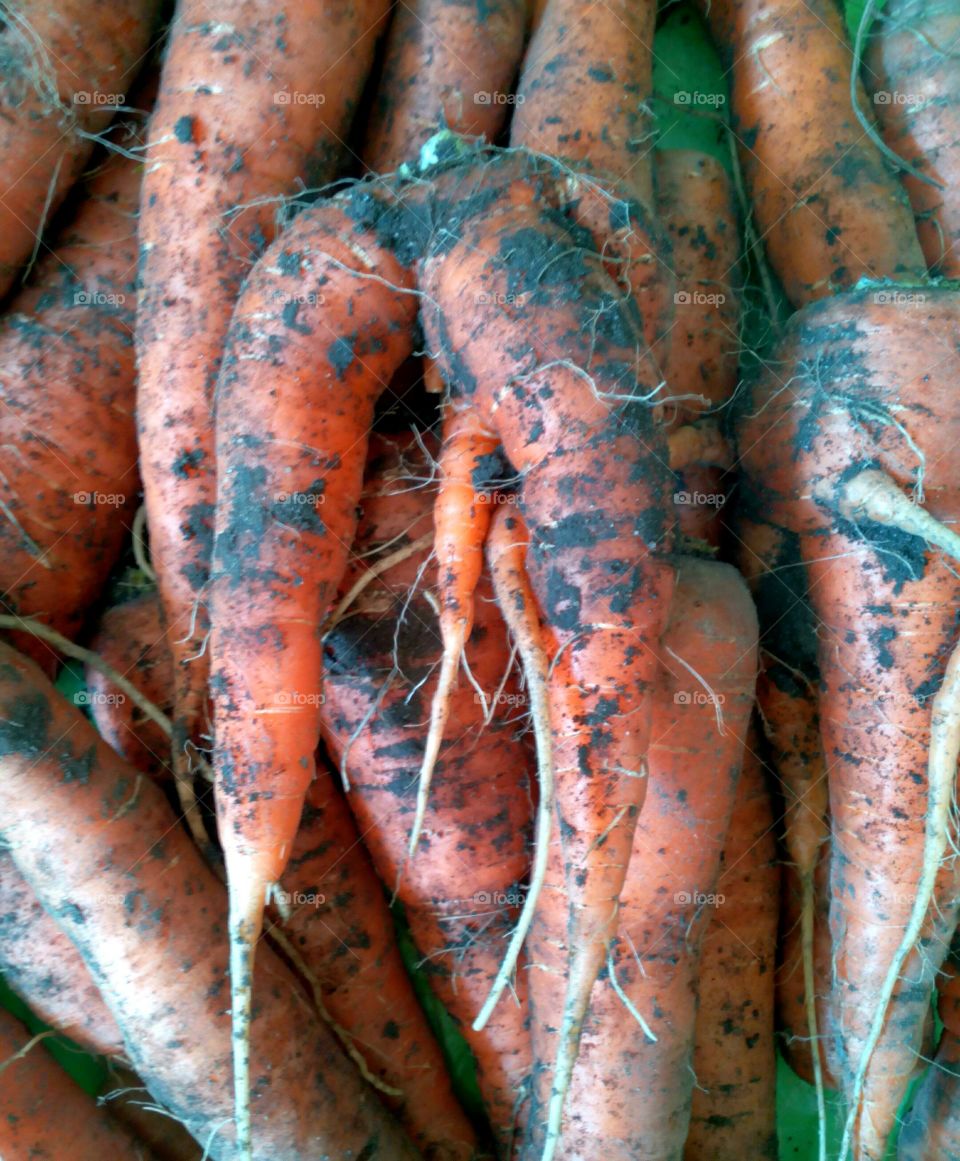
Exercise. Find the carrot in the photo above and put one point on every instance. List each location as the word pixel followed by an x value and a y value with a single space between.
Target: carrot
pixel 695 203
pixel 44 1114
pixel 67 381
pixel 865 416
pixel 100 846
pixel 446 65
pixel 247 108
pixel 826 203
pixel 461 893
pixel 461 518
pixel 932 1127
pixel 789 705
pixel 341 930
pixel 45 970
pixel 912 76
pixel 734 1058
pixel 631 1087
pixel 131 638
pixel 66 69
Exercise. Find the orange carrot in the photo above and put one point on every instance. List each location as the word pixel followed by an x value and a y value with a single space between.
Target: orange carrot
pixel 461 893
pixel 631 1087
pixel 132 639
pixel 446 65
pixel 100 846
pixel 45 970
pixel 247 108
pixel 826 203
pixel 45 1115
pixel 932 1127
pixel 912 75
pixel 341 930
pixel 734 1059
pixel 66 69
pixel 867 414
pixel 67 381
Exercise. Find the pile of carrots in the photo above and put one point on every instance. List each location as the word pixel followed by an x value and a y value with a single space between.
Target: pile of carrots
pixel 479 583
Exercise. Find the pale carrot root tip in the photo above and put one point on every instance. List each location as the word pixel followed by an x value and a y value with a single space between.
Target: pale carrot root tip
pixel 874 495
pixel 516 600
pixel 807 914
pixel 453 643
pixel 247 897
pixel 942 769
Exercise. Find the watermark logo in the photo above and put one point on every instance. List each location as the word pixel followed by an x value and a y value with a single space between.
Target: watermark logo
pixel 698 298
pixel 499 898
pixel 99 499
pixel 495 98
pixel 487 299
pixel 694 97
pixel 86 97
pixel 285 299
pixel 898 298
pixel 698 899
pixel 301 499
pixel 299 898
pixel 894 97
pixel 502 698
pixel 496 498
pixel 92 697
pixel 699 499
pixel 289 700
pixel 697 697
pixel 96 298
pixel 297 97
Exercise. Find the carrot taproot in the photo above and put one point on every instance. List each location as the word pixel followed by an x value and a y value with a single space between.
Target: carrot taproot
pixel 932 1127
pixel 912 75
pixel 631 1087
pixel 788 701
pixel 132 638
pixel 734 1058
pixel 461 894
pixel 67 381
pixel 41 965
pixel 827 204
pixel 66 69
pixel 44 1114
pixel 834 453
pixel 339 925
pixel 461 521
pixel 696 205
pixel 215 180
pixel 446 65
pixel 99 845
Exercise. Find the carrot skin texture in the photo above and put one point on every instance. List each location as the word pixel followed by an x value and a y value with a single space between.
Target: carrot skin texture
pixel 734 1059
pixel 695 203
pixel 165 1139
pixel 33 1087
pixel 133 639
pixel 88 56
pixel 46 971
pixel 596 509
pixel 343 931
pixel 208 210
pixel 474 850
pixel 446 65
pixel 630 1097
pixel 912 74
pixel 99 831
pixel 884 602
pixel 339 921
pixel 67 371
pixel 828 206
pixel 932 1127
